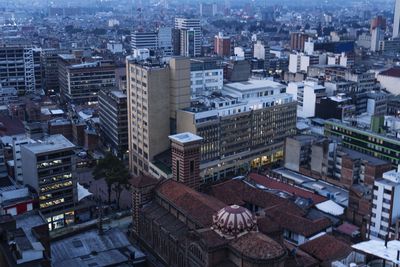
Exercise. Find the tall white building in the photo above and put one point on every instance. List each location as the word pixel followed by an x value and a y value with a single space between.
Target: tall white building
pixel 376 37
pixel 307 94
pixel 144 40
pixel 396 21
pixel 385 205
pixel 190 41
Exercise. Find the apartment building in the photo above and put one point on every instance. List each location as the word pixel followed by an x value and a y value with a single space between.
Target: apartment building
pixel 385 206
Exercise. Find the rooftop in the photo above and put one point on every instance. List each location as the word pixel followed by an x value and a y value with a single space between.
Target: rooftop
pixel 184 138
pixel 254 85
pixel 52 143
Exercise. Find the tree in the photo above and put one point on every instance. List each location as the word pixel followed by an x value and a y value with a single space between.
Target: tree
pixel 114 172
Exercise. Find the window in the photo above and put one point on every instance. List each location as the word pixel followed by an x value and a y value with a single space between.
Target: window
pixel 191 167
pixel 177 171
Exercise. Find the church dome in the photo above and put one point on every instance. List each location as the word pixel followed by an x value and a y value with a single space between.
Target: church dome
pixel 233 221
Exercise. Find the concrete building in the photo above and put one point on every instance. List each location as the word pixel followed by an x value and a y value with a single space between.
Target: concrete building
pixel 20 68
pixel 81 80
pixel 377 36
pixel 297 40
pixel 324 159
pixel 385 207
pixel 383 146
pixel 155 93
pixel 8 95
pixel 396 20
pixel 208 9
pixel 17 142
pixel 113 109
pixel 335 107
pixel 190 36
pixel 49 58
pixel 222 45
pixel 300 62
pixel 245 125
pixel 206 76
pixel 48 168
pixel 307 94
pixel 144 40
pixel 389 79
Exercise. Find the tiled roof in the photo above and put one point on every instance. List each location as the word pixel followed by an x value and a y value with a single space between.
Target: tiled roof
pixel 272 184
pixel 393 72
pixel 11 126
pixel 143 181
pixel 257 246
pixel 296 223
pixel 196 205
pixel 326 248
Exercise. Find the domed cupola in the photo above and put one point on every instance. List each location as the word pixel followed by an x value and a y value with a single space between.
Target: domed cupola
pixel 233 221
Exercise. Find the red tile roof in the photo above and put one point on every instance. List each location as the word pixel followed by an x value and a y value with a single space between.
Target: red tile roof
pixel 347 228
pixel 296 223
pixel 195 205
pixel 326 248
pixel 393 72
pixel 258 246
pixel 273 184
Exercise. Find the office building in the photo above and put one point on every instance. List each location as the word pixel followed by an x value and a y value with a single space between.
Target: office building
pixel 82 79
pixel 339 107
pixel 208 9
pixel 383 146
pixel 155 93
pixel 164 39
pixel 147 40
pixel 222 45
pixel 299 62
pixel 48 168
pixel 385 207
pixel 378 22
pixel 377 36
pixel 17 142
pixel 190 36
pixel 113 109
pixel 307 94
pixel 396 20
pixel 242 126
pixel 50 59
pixel 206 76
pixel 20 68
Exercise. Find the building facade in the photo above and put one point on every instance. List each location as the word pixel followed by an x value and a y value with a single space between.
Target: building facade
pixel 48 167
pixel 190 36
pixel 113 110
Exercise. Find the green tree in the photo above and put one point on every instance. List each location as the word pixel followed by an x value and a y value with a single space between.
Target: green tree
pixel 115 174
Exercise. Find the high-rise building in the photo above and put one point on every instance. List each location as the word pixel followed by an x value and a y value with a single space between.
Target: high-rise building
pixel 164 38
pixel 155 93
pixel 190 36
pixel 396 20
pixel 385 206
pixel 378 22
pixel 208 9
pixel 48 168
pixel 377 36
pixel 222 45
pixel 20 68
pixel 297 40
pixel 81 79
pixel 114 120
pixel 50 68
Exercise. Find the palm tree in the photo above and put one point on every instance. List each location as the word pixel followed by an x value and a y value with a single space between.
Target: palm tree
pixel 114 172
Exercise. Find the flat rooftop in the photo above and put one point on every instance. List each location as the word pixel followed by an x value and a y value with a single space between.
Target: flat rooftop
pixel 184 138
pixel 253 85
pixel 52 143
